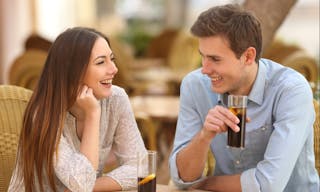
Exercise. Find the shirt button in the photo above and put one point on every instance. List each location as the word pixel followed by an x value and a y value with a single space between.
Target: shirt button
pixel 237 162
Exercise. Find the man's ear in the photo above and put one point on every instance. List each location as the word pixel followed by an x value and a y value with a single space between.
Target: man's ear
pixel 249 55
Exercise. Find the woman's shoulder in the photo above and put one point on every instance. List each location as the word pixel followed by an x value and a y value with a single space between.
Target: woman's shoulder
pixel 117 96
pixel 118 91
pixel 117 101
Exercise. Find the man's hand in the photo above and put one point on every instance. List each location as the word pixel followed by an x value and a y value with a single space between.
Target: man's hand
pixel 218 120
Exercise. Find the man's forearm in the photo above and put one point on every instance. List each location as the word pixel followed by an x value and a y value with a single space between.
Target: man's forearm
pixel 191 159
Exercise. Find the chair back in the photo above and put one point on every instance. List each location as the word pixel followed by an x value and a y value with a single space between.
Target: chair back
pixel 184 54
pixel 27 67
pixel 316 127
pixel 123 60
pixel 160 46
pixel 295 57
pixel 13 101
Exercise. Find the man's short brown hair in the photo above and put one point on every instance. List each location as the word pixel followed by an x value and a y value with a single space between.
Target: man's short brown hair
pixel 238 26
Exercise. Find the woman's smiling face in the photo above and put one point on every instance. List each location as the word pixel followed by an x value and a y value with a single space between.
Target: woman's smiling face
pixel 101 69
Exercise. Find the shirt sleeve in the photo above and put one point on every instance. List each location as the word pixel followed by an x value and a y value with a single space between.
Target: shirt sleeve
pixel 127 143
pixel 188 125
pixel 293 121
pixel 72 168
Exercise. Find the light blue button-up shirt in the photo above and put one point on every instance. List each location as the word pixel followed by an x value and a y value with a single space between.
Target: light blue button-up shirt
pixel 278 153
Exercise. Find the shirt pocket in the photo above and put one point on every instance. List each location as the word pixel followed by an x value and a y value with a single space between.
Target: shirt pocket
pixel 256 144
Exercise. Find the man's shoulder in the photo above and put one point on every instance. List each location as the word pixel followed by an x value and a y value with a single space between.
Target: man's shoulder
pixel 279 74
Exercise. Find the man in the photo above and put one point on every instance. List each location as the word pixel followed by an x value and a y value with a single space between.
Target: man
pixel 278 153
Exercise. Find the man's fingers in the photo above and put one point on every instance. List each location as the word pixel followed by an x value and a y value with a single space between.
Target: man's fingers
pixel 229 119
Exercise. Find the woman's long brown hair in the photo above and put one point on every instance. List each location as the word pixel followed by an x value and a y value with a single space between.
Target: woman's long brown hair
pixel 55 93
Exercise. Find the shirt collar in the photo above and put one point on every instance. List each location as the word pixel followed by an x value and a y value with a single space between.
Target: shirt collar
pixel 223 99
pixel 257 91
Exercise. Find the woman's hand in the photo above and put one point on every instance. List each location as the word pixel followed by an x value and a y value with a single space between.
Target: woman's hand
pixel 87 111
pixel 86 104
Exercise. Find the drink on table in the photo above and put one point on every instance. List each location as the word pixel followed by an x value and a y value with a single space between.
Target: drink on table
pixel 147 184
pixel 147 167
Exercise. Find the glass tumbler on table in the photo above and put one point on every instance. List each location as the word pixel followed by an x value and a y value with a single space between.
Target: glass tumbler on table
pixel 147 167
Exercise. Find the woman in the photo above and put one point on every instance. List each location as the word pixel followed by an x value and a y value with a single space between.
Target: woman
pixel 74 118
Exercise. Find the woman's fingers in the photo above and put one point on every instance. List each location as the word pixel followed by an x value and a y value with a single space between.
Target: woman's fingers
pixel 83 91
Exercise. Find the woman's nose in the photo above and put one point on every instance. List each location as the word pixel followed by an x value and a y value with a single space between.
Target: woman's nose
pixel 113 69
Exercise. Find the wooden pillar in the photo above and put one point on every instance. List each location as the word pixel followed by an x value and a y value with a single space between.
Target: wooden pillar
pixel 175 13
pixel 15 28
pixel 33 16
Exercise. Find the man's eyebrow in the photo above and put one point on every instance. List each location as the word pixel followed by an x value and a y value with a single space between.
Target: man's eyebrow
pixel 211 56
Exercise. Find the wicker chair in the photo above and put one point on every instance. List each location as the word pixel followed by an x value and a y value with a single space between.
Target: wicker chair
pixel 13 101
pixel 295 57
pixel 26 68
pixel 184 55
pixel 36 41
pixel 160 46
pixel 316 127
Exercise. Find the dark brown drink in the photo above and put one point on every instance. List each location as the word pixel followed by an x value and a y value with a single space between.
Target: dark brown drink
pixel 236 139
pixel 148 186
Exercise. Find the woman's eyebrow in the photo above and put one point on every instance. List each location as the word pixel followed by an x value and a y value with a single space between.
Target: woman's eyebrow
pixel 101 56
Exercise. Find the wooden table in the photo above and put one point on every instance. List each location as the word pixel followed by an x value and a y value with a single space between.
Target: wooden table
pixel 163 108
pixel 161 76
pixel 166 188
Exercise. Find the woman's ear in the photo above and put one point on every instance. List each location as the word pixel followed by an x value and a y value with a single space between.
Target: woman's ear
pixel 249 55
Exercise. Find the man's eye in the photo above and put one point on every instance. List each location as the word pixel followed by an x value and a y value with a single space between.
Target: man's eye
pixel 214 59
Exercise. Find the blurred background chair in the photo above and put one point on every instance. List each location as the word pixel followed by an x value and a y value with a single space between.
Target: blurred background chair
pixel 26 68
pixel 13 101
pixel 35 41
pixel 124 60
pixel 184 55
pixel 160 45
pixel 293 56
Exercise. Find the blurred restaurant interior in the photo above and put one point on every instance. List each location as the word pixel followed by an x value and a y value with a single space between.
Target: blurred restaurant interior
pixel 153 46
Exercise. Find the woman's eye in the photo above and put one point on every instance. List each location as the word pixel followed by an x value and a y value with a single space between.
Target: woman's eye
pixel 113 59
pixel 100 62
